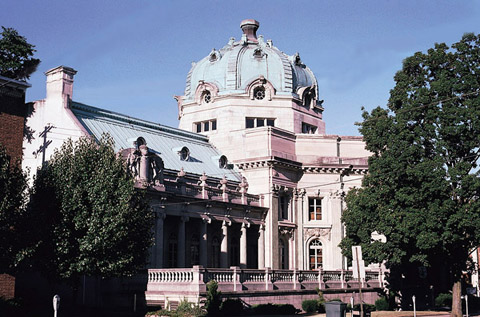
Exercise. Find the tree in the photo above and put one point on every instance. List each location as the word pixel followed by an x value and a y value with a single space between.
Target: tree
pixel 13 214
pixel 16 53
pixel 423 184
pixel 96 222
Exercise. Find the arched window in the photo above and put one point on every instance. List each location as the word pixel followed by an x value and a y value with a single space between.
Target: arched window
pixel 172 250
pixel 283 254
pixel 315 254
pixel 195 250
pixel 215 258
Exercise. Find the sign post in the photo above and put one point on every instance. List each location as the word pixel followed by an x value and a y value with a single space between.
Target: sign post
pixel 358 272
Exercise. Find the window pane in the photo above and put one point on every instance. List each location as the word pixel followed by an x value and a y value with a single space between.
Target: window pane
pixel 260 122
pixel 214 124
pixel 249 123
pixel 199 127
pixel 206 126
pixel 271 122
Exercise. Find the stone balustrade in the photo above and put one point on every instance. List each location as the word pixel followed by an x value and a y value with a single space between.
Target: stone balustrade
pixel 235 279
pixel 212 193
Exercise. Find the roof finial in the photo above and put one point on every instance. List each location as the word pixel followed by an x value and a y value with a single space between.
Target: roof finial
pixel 249 28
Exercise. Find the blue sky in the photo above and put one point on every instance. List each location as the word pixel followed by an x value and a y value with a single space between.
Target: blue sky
pixel 133 56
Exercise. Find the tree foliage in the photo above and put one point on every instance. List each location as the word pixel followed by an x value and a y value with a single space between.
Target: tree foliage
pixel 13 214
pixel 16 53
pixel 98 223
pixel 423 185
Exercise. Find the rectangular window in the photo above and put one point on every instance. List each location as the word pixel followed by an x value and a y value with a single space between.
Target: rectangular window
pixel 308 128
pixel 314 208
pixel 259 122
pixel 205 126
pixel 283 204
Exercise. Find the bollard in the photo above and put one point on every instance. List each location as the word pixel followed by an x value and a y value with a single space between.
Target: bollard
pixel 466 303
pixel 56 305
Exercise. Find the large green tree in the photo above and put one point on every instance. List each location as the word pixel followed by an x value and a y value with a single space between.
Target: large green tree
pixel 423 187
pixel 14 218
pixel 16 53
pixel 95 221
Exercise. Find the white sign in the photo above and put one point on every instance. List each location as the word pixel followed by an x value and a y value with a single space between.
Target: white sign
pixel 358 265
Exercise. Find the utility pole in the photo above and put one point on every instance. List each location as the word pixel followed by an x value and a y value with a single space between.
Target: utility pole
pixel 43 147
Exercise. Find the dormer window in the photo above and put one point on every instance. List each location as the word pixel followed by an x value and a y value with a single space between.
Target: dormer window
pixel 259 93
pixel 140 141
pixel 184 153
pixel 223 162
pixel 207 97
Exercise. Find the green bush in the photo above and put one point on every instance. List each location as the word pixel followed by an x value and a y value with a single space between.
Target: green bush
pixel 310 305
pixel 366 307
pixel 382 304
pixel 274 309
pixel 232 307
pixel 443 300
pixel 214 299
pixel 321 301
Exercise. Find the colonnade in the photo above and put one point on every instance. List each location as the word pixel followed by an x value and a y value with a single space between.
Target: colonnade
pixel 159 249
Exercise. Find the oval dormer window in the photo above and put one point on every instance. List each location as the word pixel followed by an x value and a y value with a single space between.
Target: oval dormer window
pixel 223 162
pixel 207 96
pixel 140 141
pixel 259 93
pixel 184 153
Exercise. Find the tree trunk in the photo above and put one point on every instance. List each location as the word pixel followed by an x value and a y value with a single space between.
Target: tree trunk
pixel 456 299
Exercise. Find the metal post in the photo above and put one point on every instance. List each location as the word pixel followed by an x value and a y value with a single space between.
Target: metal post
pixel 134 303
pixel 466 304
pixel 351 305
pixel 359 283
pixel 56 305
pixel 414 307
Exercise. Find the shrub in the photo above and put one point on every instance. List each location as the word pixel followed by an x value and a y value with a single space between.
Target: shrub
pixel 382 304
pixel 366 307
pixel 321 301
pixel 443 300
pixel 310 305
pixel 274 309
pixel 232 307
pixel 214 300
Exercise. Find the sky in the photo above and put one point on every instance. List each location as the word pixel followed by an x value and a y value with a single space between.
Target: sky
pixel 132 57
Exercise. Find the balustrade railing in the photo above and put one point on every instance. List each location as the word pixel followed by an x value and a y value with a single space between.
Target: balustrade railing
pixel 267 278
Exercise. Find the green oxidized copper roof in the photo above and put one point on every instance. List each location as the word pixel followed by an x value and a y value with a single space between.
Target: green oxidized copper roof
pixel 238 63
pixel 166 141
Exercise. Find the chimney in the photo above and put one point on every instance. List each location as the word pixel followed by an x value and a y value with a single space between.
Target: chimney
pixel 249 28
pixel 60 83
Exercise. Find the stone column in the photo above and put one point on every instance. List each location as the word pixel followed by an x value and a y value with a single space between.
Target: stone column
pixel 261 247
pixel 159 239
pixel 203 242
pixel 224 246
pixel 181 241
pixel 243 246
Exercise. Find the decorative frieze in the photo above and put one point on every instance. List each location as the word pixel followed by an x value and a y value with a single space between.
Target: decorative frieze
pixel 317 233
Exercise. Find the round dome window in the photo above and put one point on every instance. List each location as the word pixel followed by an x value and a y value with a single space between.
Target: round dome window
pixel 259 93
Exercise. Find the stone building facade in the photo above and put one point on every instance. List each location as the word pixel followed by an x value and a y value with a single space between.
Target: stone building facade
pixel 249 181
pixel 263 110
